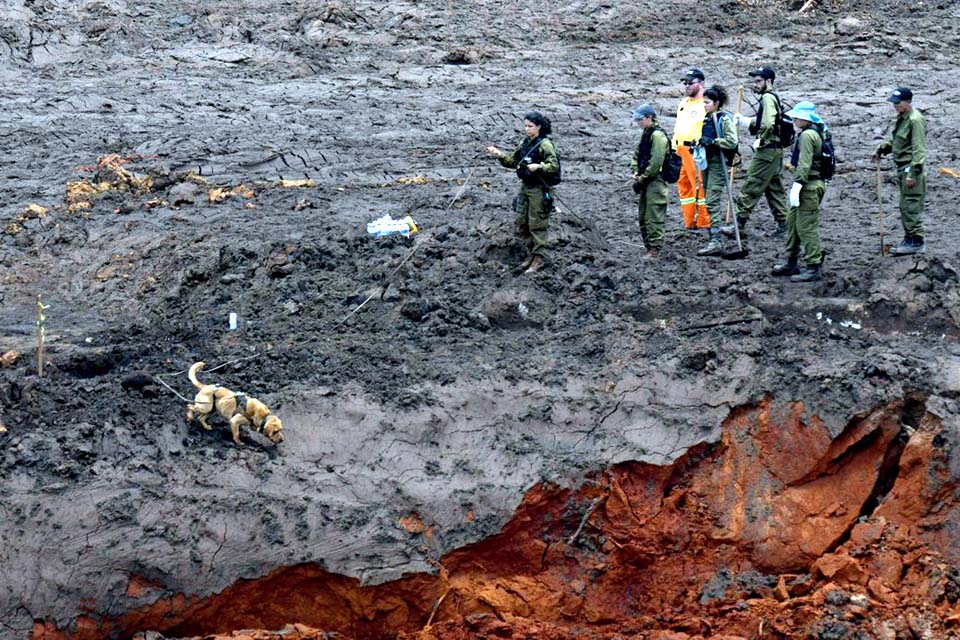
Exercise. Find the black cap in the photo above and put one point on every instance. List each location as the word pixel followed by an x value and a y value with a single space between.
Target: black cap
pixel 693 74
pixel 901 94
pixel 767 73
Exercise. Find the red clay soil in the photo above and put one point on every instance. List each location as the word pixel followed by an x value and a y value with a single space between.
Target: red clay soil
pixel 645 551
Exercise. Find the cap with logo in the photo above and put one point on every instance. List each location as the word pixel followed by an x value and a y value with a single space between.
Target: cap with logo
pixel 767 73
pixel 901 94
pixel 693 74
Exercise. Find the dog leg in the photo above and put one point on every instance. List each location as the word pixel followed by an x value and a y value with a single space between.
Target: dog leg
pixel 203 422
pixel 235 423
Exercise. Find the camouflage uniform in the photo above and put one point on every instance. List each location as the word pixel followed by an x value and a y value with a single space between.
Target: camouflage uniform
pixel 765 169
pixel 647 161
pixel 534 202
pixel 803 222
pixel 909 147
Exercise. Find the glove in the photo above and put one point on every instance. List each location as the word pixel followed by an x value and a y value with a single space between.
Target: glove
pixel 756 144
pixel 795 194
pixel 741 119
pixel 638 186
pixel 706 141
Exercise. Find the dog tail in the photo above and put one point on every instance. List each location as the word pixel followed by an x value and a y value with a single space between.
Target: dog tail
pixel 193 374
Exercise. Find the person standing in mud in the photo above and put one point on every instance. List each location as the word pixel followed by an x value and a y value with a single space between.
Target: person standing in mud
pixel 718 136
pixel 909 147
pixel 686 132
pixel 538 167
pixel 764 173
pixel 806 193
pixel 646 165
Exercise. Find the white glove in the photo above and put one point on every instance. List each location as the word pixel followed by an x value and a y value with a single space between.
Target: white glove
pixel 795 194
pixel 742 120
pixel 756 144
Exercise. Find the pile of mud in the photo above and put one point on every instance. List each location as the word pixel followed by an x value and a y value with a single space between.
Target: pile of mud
pixel 680 449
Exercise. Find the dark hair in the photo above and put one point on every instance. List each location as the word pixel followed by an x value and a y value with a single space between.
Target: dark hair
pixel 541 121
pixel 717 94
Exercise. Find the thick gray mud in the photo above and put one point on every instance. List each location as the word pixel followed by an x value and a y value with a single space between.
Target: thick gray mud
pixel 463 384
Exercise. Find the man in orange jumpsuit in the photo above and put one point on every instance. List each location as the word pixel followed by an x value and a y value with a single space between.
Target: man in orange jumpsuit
pixel 686 132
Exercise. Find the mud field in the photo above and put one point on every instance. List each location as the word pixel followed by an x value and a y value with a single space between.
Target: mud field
pixel 606 449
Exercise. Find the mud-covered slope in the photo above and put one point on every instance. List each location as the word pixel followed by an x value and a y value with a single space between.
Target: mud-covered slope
pixel 446 399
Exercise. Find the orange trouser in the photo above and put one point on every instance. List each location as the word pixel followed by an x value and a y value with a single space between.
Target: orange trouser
pixel 690 190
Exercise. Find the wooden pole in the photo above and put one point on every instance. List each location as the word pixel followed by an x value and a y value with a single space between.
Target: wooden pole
pixel 880 207
pixel 41 334
pixel 732 168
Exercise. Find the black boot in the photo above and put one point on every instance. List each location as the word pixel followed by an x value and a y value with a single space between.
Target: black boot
pixel 809 273
pixel 911 244
pixel 788 268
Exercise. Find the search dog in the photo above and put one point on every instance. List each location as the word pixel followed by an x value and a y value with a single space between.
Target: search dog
pixel 236 408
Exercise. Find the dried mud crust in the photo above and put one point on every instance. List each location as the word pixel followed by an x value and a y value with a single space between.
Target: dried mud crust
pixel 462 385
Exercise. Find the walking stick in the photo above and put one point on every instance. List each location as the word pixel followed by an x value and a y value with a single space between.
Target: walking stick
pixel 732 169
pixel 880 207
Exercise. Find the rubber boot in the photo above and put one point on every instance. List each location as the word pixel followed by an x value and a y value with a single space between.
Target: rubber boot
pixel 920 245
pixel 714 246
pixel 788 268
pixel 909 246
pixel 809 273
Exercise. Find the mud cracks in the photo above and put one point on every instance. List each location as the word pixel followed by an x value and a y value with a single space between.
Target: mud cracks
pixel 776 529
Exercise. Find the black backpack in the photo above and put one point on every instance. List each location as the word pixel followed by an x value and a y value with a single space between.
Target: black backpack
pixel 670 169
pixel 828 157
pixel 672 163
pixel 784 125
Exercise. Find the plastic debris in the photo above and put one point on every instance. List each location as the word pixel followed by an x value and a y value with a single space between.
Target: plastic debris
pixel 385 225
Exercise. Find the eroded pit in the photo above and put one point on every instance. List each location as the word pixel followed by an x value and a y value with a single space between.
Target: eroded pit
pixel 776 526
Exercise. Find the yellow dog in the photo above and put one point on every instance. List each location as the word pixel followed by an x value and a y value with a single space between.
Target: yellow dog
pixel 236 408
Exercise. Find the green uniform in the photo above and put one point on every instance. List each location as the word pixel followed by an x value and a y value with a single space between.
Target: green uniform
pixel 653 196
pixel 803 222
pixel 909 147
pixel 764 174
pixel 534 203
pixel 713 179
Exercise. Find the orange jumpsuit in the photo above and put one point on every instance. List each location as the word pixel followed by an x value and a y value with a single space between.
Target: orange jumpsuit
pixel 690 114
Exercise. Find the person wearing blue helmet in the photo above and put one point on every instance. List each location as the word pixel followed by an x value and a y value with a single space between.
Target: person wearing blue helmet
pixel 806 193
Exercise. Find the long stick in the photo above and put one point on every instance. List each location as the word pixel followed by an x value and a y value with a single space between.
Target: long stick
pixel 880 207
pixel 40 335
pixel 733 169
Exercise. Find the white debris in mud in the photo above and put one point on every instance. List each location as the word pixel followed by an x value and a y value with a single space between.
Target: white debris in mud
pixel 847 324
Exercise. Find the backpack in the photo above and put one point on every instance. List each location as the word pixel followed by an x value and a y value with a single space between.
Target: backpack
pixel 670 169
pixel 783 127
pixel 828 157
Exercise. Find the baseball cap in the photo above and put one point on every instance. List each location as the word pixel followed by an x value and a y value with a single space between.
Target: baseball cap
pixel 767 73
pixel 643 111
pixel 693 74
pixel 901 94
